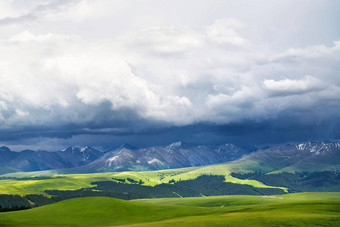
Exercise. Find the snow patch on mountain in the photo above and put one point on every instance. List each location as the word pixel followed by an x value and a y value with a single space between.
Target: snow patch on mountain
pixel 317 147
pixel 174 146
pixel 83 149
pixel 112 160
pixel 155 160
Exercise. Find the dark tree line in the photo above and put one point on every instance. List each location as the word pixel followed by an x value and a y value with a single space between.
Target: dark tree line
pixel 16 202
pixel 214 185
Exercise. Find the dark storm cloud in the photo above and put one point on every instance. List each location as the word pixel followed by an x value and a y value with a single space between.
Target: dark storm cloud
pixel 99 119
pixel 288 127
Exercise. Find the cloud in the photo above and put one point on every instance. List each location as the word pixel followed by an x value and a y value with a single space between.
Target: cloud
pixel 73 70
pixel 60 75
pixel 167 40
pixel 224 31
pixel 293 87
pixel 27 36
pixel 31 11
pixel 308 52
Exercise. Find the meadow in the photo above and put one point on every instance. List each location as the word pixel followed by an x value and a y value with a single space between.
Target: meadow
pixel 282 209
pixel 298 209
pixel 24 183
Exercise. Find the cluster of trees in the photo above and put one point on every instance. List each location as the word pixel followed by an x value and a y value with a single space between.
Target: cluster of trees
pixel 130 180
pixel 214 185
pixel 13 202
pixel 298 182
pixel 16 202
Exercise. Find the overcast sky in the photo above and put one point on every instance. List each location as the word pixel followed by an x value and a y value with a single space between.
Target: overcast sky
pixel 151 72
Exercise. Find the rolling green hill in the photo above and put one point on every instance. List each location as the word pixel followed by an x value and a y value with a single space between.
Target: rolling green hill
pixel 28 183
pixel 304 209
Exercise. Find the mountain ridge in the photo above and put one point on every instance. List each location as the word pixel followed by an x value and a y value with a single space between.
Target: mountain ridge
pixel 123 157
pixel 302 156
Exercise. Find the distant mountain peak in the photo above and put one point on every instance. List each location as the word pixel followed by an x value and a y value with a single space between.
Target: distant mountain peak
pixel 4 148
pixel 175 145
pixel 70 148
pixel 76 149
pixel 127 146
pixel 303 146
pixel 317 147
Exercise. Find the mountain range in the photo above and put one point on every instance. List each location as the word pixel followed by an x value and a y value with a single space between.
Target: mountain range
pixel 29 160
pixel 291 158
pixel 307 156
pixel 125 157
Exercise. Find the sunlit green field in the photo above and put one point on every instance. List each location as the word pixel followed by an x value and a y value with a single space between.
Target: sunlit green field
pixel 150 178
pixel 301 209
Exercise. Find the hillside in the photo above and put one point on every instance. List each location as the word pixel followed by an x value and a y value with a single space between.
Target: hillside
pixel 297 209
pixel 309 156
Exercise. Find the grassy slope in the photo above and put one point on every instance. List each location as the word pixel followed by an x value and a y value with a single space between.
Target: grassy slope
pixel 151 178
pixel 304 167
pixel 98 211
pixel 303 209
pixel 60 182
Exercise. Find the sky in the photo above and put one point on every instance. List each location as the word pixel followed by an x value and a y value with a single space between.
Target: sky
pixel 151 72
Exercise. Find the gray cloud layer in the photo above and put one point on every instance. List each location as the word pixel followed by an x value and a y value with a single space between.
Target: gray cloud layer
pixel 174 67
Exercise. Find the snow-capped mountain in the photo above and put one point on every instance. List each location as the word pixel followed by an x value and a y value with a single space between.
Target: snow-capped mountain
pixel 78 156
pixel 29 160
pixel 175 155
pixel 124 157
pixel 318 148
pixel 303 157
pixel 307 156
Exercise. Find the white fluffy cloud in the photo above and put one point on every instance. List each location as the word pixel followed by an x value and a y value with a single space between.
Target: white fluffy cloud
pixel 179 74
pixel 309 52
pixel 291 87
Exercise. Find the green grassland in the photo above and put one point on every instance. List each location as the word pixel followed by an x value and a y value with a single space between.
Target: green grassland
pixel 29 182
pixel 300 209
